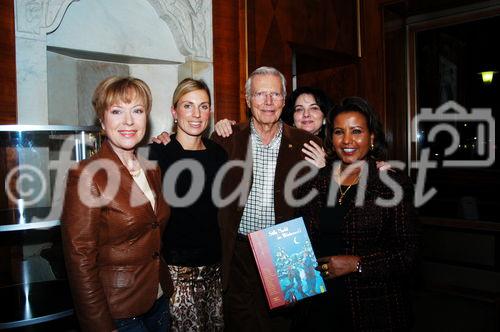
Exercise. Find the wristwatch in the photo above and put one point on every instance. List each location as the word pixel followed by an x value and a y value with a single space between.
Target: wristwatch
pixel 359 268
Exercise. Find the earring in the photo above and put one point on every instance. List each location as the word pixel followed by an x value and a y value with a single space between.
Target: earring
pixel 175 120
pixel 102 131
pixel 324 121
pixel 372 146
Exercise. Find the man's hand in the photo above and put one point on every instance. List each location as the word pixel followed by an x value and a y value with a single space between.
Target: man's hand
pixel 163 138
pixel 223 127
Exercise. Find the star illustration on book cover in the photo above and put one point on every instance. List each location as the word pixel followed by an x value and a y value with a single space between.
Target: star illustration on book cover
pixel 286 259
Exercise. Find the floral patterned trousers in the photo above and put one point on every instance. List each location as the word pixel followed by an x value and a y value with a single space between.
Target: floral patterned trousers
pixel 196 304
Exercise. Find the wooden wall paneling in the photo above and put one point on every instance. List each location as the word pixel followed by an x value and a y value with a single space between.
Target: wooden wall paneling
pixel 243 56
pixel 337 83
pixel 331 66
pixel 269 24
pixel 276 28
pixel 8 98
pixel 383 71
pixel 250 36
pixel 395 76
pixel 324 24
pixel 230 59
pixel 334 73
pixel 371 65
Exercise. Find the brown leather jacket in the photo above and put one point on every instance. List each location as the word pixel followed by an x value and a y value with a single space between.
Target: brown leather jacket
pixel 112 245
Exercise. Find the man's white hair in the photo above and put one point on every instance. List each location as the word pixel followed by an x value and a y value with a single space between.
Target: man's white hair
pixel 264 71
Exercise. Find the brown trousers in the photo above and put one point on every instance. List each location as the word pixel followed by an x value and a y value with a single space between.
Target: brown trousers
pixel 245 304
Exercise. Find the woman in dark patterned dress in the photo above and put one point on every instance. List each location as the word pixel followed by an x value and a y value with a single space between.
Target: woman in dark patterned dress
pixel 367 245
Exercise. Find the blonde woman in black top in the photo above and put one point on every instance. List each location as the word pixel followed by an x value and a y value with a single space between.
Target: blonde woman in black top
pixel 192 240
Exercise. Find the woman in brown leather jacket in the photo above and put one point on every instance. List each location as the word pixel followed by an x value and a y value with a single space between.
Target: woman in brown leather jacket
pixel 113 217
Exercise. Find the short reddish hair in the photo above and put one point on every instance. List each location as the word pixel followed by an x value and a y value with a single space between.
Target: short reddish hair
pixel 116 88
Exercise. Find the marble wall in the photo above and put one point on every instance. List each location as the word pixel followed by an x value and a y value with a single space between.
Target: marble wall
pixel 70 85
pixel 162 79
pixel 65 47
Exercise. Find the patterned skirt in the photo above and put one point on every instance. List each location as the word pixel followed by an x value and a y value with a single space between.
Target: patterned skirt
pixel 196 304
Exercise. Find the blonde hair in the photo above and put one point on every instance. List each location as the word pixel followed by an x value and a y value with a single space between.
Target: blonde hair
pixel 117 88
pixel 188 85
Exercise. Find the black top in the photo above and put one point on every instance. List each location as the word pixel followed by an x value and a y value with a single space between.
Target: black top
pixel 331 242
pixel 385 238
pixel 192 235
pixel 331 220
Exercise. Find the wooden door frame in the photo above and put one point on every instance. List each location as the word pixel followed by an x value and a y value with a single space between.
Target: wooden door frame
pixel 230 58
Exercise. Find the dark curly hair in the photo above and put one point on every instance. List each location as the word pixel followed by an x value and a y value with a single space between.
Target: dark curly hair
pixel 357 104
pixel 320 97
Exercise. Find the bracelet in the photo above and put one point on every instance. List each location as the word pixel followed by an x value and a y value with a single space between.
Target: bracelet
pixel 359 269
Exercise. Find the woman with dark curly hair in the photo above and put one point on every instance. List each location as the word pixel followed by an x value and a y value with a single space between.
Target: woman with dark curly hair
pixel 306 108
pixel 363 231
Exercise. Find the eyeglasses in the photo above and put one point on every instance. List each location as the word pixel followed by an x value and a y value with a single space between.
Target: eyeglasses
pixel 261 96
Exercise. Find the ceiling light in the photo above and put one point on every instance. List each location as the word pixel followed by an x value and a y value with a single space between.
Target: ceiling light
pixel 487 76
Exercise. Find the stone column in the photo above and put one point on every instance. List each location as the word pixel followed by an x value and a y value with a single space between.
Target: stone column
pixel 191 24
pixel 34 19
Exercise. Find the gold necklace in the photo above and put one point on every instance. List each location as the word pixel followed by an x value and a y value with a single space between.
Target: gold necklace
pixel 343 193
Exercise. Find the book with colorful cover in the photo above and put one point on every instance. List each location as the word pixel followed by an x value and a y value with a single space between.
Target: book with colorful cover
pixel 286 263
